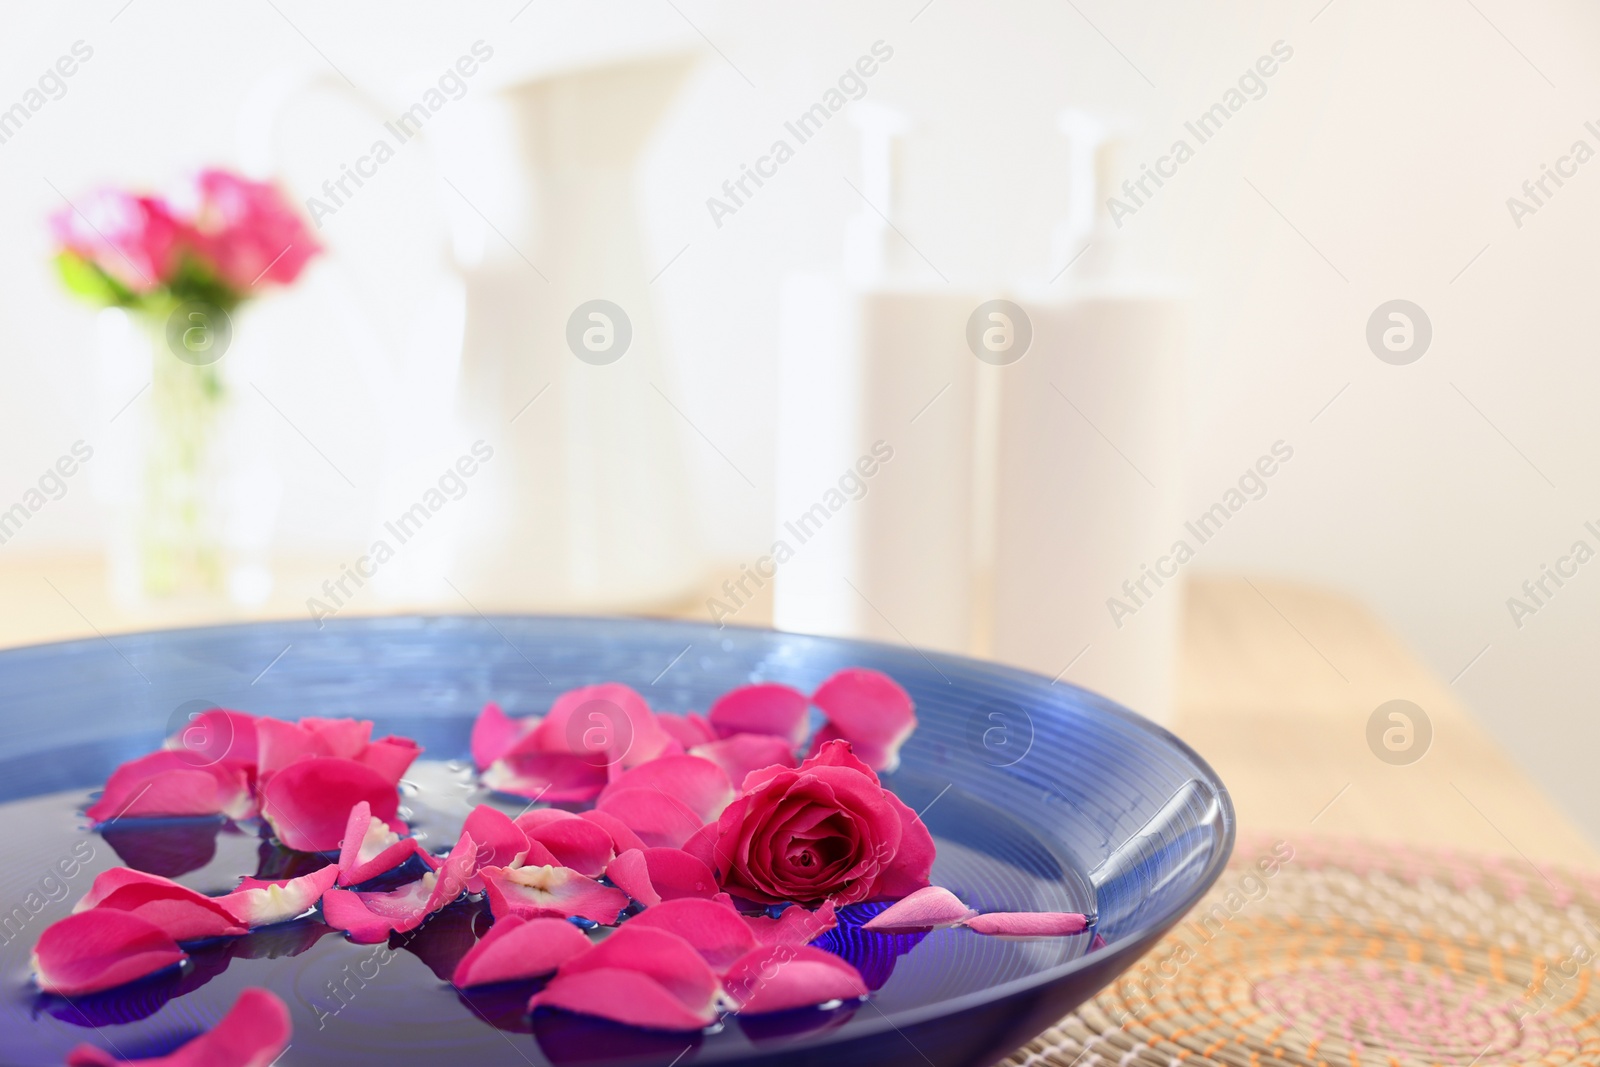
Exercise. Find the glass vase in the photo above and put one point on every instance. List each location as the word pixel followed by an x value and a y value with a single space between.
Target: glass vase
pixel 193 491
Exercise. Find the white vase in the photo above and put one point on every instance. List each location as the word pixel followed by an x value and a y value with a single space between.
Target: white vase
pixel 586 504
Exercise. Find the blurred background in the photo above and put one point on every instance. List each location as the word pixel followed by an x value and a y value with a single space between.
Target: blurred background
pixel 949 368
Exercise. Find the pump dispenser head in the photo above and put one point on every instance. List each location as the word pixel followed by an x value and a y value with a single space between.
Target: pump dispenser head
pixel 1086 238
pixel 868 256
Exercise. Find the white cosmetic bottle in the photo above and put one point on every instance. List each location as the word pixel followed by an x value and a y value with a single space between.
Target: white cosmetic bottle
pixel 875 438
pixel 1088 492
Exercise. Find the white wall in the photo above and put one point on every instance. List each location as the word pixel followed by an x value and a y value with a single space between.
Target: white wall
pixel 1389 143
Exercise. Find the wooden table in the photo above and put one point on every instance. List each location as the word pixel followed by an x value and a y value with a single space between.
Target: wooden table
pixel 1276 684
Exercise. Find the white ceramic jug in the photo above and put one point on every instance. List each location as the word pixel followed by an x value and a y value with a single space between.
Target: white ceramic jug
pixel 585 504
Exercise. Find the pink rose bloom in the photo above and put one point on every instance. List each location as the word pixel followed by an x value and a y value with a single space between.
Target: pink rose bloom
pixel 825 831
pixel 244 230
pixel 132 238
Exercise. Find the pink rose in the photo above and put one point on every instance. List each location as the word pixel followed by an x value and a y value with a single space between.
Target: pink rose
pixel 244 230
pixel 825 831
pixel 132 238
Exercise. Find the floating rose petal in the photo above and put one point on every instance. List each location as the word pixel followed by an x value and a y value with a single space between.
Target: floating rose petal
pixel 933 906
pixel 783 977
pixel 652 875
pixel 666 801
pixel 766 708
pixel 99 949
pixel 170 783
pixel 545 892
pixel 183 913
pixel 390 756
pixel 640 977
pixel 630 873
pixel 661 821
pixel 254 1033
pixel 688 730
pixel 697 783
pixel 796 926
pixel 741 754
pixel 494 733
pixel 577 843
pixel 262 902
pixel 1028 923
pixel 501 842
pixel 285 743
pixel 869 710
pixel 308 803
pixel 715 930
pixel 622 838
pixel 218 736
pixel 516 948
pixel 369 847
pixel 534 818
pixel 371 917
pixel 589 736
pixel 608 726
pixel 552 776
pixel 343 738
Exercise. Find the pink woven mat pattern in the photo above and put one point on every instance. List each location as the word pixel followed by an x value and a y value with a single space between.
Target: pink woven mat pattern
pixel 1344 953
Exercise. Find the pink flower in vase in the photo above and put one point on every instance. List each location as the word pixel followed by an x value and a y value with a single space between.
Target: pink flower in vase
pixel 133 239
pixel 244 230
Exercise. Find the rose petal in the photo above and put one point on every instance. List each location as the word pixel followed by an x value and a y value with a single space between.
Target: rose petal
pixel 544 892
pixel 341 738
pixel 661 821
pixel 652 875
pixel 576 843
pixel 697 785
pixel 638 976
pixel 516 948
pixel 501 842
pixel 254 1033
pixel 1028 923
pixel 107 882
pixel 100 949
pixel 493 734
pixel 370 847
pixel 783 977
pixel 552 776
pixel 715 930
pixel 218 736
pixel 868 709
pixel 534 818
pixel 688 730
pixel 933 906
pixel 741 754
pixel 390 756
pixel 630 873
pixel 626 997
pixel 371 917
pixel 263 902
pixel 281 743
pixel 912 864
pixel 308 803
pixel 609 727
pixel 622 838
pixel 169 783
pixel 183 913
pixel 765 708
pixel 795 926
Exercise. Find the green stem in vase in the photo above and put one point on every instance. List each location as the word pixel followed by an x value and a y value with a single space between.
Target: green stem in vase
pixel 180 529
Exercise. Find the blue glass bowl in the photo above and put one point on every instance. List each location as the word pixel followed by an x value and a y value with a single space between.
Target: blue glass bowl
pixel 1041 797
